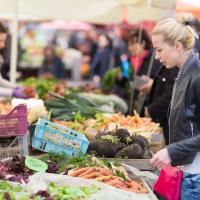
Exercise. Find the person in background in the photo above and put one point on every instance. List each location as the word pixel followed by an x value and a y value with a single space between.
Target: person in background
pixel 140 52
pixel 6 54
pixel 120 46
pixel 101 60
pixel 160 93
pixel 52 64
pixel 7 88
pixel 174 44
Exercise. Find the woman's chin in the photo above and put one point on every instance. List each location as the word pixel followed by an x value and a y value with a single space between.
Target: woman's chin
pixel 168 66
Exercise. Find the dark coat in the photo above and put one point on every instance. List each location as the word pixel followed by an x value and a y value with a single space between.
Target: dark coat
pixel 55 66
pixel 101 61
pixel 184 119
pixel 160 97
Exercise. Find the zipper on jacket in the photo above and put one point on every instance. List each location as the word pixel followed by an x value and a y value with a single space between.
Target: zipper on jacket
pixel 192 128
pixel 172 100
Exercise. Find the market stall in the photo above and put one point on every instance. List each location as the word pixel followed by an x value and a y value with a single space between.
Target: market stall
pixel 66 125
pixel 80 135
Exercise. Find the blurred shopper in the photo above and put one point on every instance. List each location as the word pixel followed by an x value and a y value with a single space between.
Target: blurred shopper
pixel 141 54
pixel 6 87
pixel 101 61
pixel 141 49
pixel 52 63
pixel 174 44
pixel 160 93
pixel 119 45
pixel 6 54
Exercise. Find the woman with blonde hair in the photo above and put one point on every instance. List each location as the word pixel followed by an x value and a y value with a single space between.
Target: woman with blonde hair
pixel 173 40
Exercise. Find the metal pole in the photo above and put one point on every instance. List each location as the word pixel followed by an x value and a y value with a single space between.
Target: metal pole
pixel 143 97
pixel 14 43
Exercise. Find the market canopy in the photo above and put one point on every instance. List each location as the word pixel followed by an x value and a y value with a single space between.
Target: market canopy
pixel 189 6
pixel 104 11
pixel 99 11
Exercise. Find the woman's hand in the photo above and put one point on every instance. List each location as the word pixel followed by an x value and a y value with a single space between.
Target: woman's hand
pixel 18 92
pixel 161 158
pixel 146 88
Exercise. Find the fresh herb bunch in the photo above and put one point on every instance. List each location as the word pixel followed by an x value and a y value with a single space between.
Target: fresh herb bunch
pixel 112 138
pixel 66 163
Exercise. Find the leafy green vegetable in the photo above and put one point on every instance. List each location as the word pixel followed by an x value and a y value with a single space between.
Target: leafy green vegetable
pixel 79 117
pixel 90 190
pixel 42 86
pixel 72 193
pixel 53 192
pixel 109 79
pixel 7 190
pixel 5 185
pixel 113 138
pixel 73 107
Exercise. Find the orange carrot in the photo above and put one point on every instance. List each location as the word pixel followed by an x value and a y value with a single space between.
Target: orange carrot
pixel 104 172
pixel 112 182
pixel 92 175
pixel 89 171
pixel 103 178
pixel 122 188
pixel 77 172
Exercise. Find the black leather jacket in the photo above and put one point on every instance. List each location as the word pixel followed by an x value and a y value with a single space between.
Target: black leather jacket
pixel 184 117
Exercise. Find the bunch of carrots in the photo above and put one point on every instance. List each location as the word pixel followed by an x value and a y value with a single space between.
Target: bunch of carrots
pixel 106 176
pixel 130 121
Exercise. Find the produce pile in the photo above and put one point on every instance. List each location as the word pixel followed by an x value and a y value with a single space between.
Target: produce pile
pixel 62 164
pixel 35 88
pixel 103 123
pixel 100 169
pixel 120 144
pixel 9 191
pixel 66 108
pixel 15 170
pixel 100 118
pixel 35 113
pixel 134 124
pixel 84 166
pixel 106 176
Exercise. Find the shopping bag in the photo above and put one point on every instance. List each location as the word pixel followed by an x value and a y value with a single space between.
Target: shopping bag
pixel 168 184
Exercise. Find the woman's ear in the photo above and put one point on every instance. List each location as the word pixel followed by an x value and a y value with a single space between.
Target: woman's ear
pixel 178 46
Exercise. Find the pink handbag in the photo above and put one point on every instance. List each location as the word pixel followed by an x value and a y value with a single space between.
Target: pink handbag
pixel 168 184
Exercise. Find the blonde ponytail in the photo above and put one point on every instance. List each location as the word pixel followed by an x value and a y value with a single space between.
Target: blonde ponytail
pixel 177 29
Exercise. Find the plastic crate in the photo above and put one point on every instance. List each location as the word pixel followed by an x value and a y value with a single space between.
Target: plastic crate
pixel 9 152
pixel 14 123
pixel 50 136
pixel 20 149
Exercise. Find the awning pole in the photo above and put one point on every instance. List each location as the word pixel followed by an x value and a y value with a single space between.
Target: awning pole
pixel 13 67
